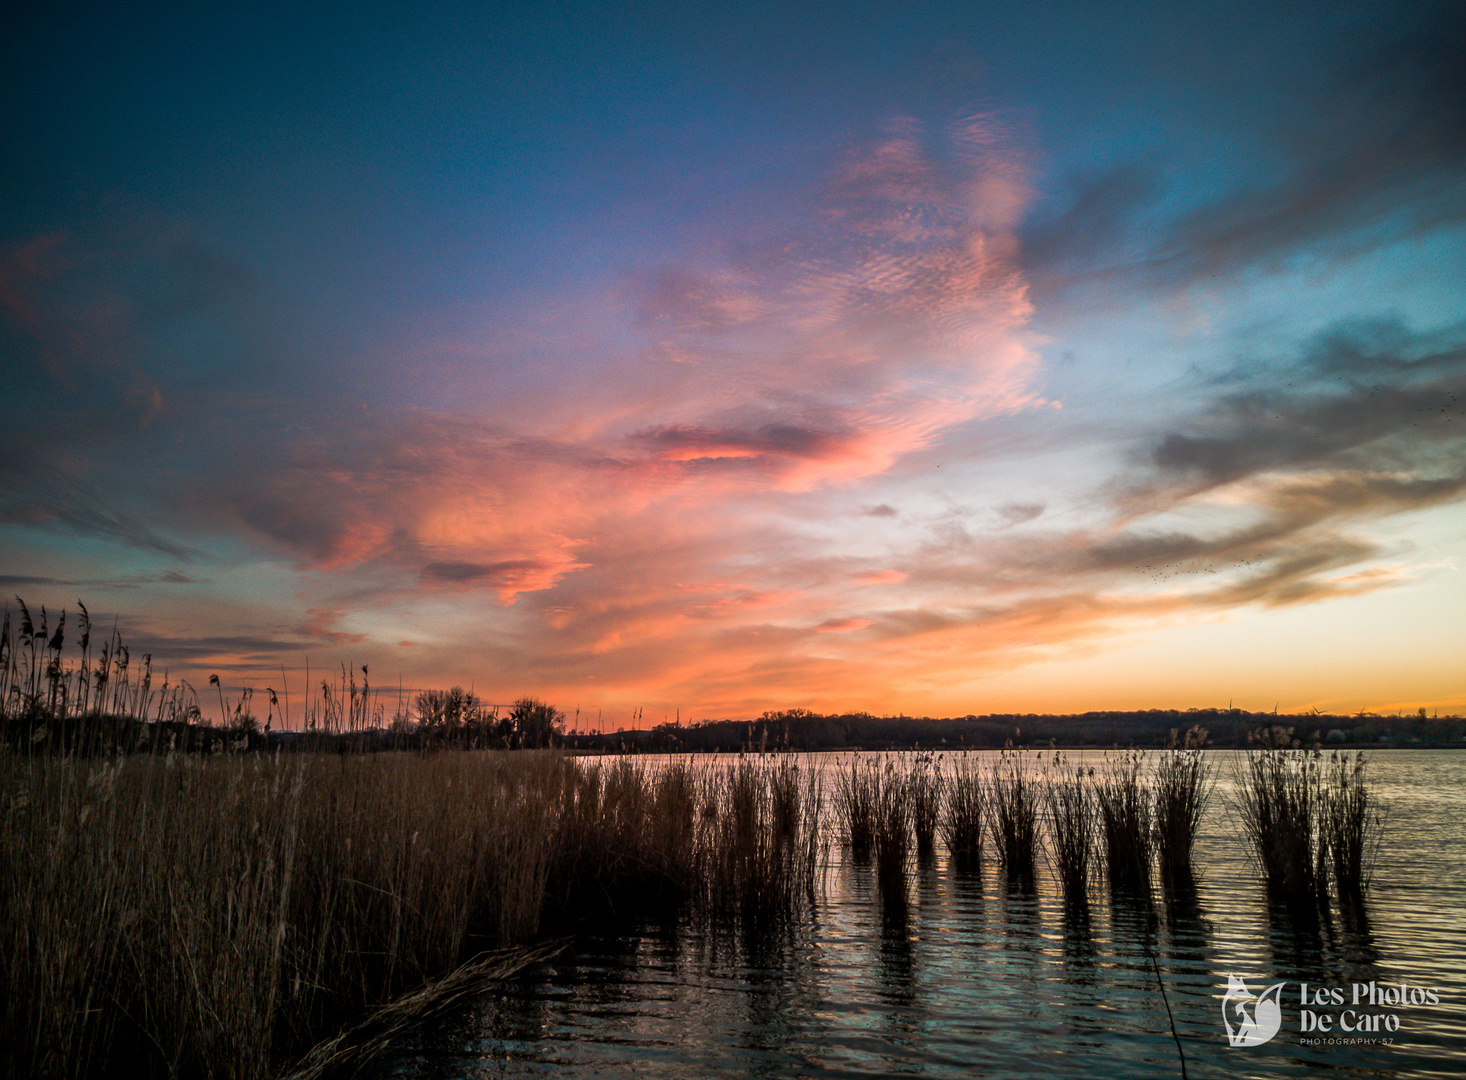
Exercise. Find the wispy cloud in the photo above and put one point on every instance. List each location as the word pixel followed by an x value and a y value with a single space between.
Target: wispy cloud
pixel 1373 154
pixel 38 496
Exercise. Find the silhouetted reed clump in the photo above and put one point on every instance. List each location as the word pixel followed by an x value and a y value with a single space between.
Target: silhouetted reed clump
pixel 759 851
pixel 1279 802
pixel 1183 786
pixel 1125 804
pixel 924 785
pixel 790 795
pixel 856 801
pixel 1073 814
pixel 1013 807
pixel 1351 824
pixel 963 815
pixel 893 834
pixel 94 700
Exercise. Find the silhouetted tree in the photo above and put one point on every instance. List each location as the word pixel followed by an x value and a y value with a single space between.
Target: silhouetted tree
pixel 446 710
pixel 535 723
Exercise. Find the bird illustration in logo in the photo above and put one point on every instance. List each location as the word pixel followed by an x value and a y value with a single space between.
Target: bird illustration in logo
pixel 1266 1017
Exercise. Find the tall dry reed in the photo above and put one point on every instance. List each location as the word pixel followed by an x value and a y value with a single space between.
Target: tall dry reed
pixel 856 799
pixel 1351 823
pixel 1073 814
pixel 1280 797
pixel 1125 805
pixel 893 830
pixel 218 915
pixel 963 815
pixel 239 908
pixel 924 783
pixel 761 846
pixel 1013 809
pixel 1183 785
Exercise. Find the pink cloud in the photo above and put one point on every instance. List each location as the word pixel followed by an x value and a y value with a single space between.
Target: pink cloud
pixel 842 626
pixel 881 577
pixel 651 520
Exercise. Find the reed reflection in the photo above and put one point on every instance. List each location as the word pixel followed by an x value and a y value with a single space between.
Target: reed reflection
pixel 1080 964
pixel 1355 936
pixel 1187 930
pixel 780 986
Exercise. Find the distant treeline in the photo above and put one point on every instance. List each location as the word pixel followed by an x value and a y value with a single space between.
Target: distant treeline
pixel 96 700
pixel 533 724
pixel 799 730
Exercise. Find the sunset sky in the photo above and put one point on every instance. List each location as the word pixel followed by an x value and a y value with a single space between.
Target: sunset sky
pixel 923 358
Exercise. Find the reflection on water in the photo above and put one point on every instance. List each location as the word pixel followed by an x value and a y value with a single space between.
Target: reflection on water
pixel 963 973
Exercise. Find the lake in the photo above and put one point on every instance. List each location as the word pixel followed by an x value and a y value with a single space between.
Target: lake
pixel 973 977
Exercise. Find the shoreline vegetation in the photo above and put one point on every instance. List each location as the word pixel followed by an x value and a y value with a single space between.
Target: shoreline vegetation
pixel 225 915
pixel 185 899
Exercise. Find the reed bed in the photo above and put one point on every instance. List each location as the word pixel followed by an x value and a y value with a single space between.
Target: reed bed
pixel 1073 814
pixel 964 814
pixel 219 915
pixel 1013 802
pixel 236 909
pixel 99 700
pixel 1308 820
pixel 760 850
pixel 893 831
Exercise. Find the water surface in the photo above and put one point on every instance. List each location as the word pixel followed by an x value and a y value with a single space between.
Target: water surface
pixel 973 977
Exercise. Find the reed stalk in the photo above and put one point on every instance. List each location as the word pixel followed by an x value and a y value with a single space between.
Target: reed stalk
pixel 1351 824
pixel 856 798
pixel 924 784
pixel 893 830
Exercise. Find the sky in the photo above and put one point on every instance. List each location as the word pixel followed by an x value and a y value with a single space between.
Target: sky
pixel 699 360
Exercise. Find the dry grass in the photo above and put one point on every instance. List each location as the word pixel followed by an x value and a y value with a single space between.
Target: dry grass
pixel 924 784
pixel 893 831
pixel 237 909
pixel 1351 824
pixel 347 1053
pixel 759 850
pixel 856 801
